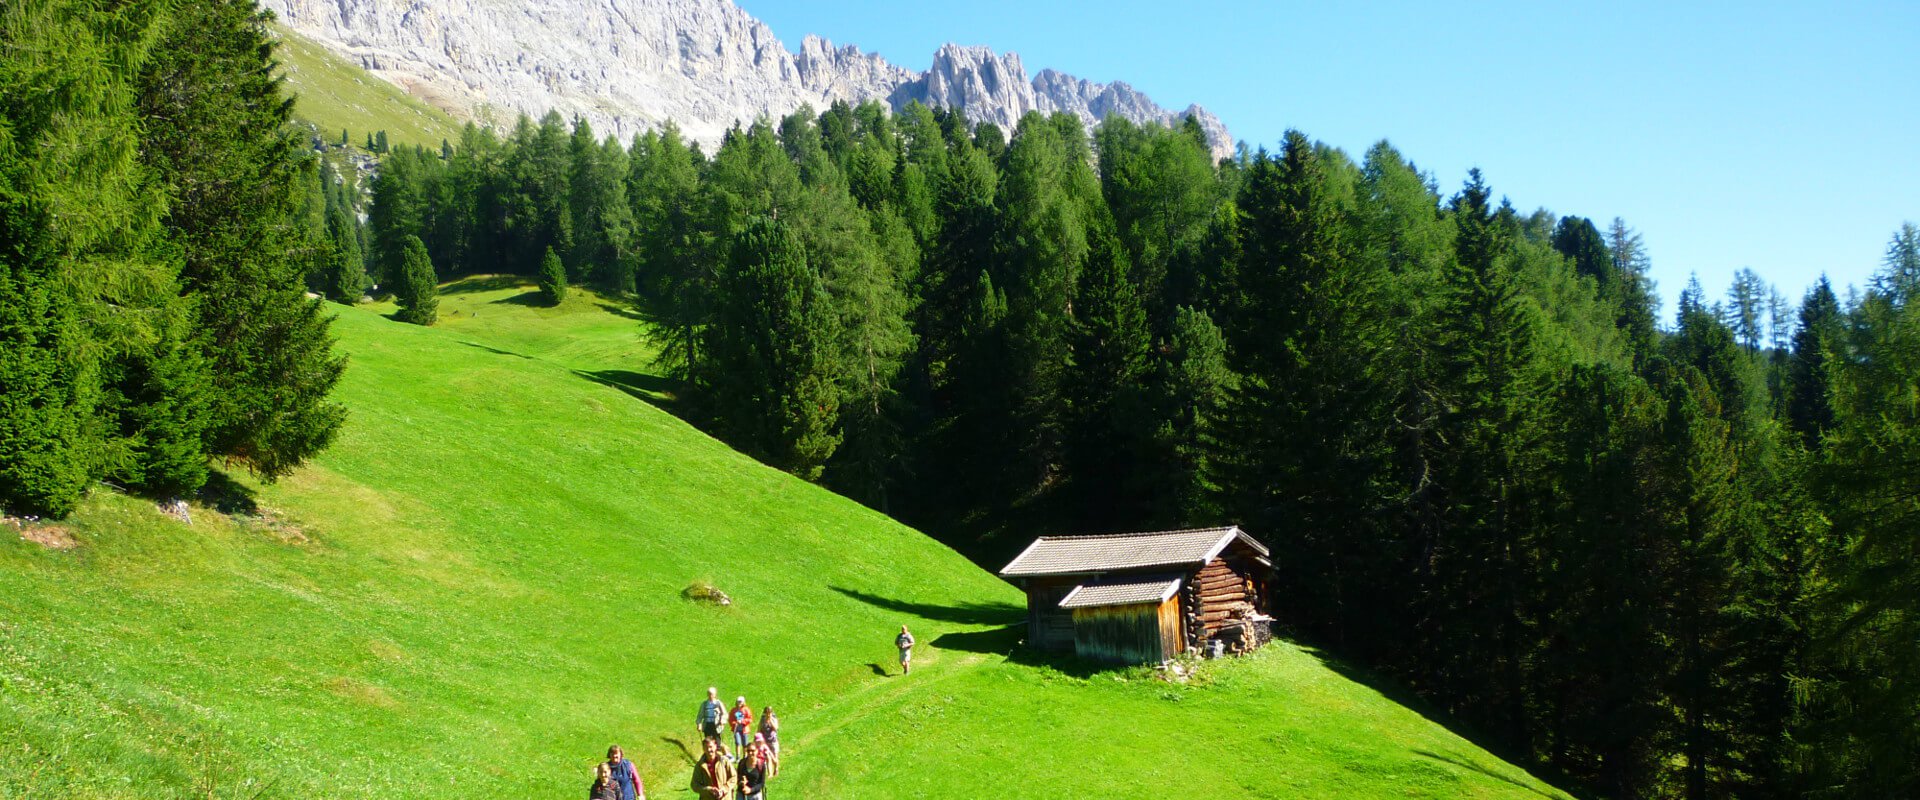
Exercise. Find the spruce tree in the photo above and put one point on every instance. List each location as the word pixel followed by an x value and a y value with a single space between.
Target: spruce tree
pixel 416 290
pixel 1110 426
pixel 774 392
pixel 1809 400
pixel 219 141
pixel 553 278
pixel 46 385
pixel 1482 452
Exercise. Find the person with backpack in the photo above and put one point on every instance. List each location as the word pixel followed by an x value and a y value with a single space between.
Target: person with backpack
pixel 624 776
pixel 711 716
pixel 905 642
pixel 713 777
pixel 770 733
pixel 740 719
pixel 753 775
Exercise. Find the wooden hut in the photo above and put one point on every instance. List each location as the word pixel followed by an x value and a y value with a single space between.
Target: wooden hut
pixel 1144 597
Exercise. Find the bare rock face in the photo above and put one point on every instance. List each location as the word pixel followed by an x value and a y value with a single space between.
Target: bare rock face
pixel 629 65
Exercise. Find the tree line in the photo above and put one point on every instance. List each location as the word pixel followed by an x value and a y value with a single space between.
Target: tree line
pixel 152 254
pixel 1658 560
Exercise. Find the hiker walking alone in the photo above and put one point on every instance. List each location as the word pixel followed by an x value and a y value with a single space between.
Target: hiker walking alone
pixel 905 642
pixel 740 719
pixel 624 776
pixel 710 717
pixel 713 777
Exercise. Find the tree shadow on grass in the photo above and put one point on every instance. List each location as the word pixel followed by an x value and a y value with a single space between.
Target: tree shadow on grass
pixel 531 297
pixel 962 614
pixel 1471 766
pixel 224 494
pixel 651 388
pixel 624 311
pixel 1404 696
pixel 484 283
pixel 498 351
pixel 685 752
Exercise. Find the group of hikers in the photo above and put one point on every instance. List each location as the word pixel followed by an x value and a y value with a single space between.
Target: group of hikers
pixel 721 774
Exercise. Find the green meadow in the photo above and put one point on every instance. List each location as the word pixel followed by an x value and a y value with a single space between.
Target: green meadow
pixel 332 93
pixel 479 587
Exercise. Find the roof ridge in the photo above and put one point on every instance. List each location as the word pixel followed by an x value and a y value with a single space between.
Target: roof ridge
pixel 1131 534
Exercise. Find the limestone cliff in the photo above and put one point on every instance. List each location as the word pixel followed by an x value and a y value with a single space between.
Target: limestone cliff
pixel 626 65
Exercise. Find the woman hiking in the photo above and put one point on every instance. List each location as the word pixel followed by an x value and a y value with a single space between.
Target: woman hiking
pixel 623 776
pixel 770 732
pixel 740 719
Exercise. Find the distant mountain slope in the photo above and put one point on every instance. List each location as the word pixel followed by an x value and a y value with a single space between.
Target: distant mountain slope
pixel 704 64
pixel 335 94
pixel 478 588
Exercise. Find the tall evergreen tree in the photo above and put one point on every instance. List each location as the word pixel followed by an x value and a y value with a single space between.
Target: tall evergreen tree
pixel 553 278
pixel 220 143
pixel 1809 400
pixel 416 290
pixel 772 352
pixel 1482 452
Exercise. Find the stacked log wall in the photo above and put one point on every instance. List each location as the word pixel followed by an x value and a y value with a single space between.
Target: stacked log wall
pixel 1221 590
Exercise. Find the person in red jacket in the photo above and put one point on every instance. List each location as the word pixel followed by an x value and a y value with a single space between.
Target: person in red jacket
pixel 740 719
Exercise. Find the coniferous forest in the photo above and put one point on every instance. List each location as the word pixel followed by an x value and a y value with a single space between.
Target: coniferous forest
pixel 1659 554
pixel 1661 557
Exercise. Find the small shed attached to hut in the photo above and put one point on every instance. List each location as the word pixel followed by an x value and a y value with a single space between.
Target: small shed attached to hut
pixel 1145 597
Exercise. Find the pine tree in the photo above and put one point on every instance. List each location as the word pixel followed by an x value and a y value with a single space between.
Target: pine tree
pixel 1809 395
pixel 219 142
pixel 553 278
pixel 1482 454
pixel 78 215
pixel 156 400
pixel 48 395
pixel 1746 308
pixel 417 290
pixel 398 212
pixel 1869 677
pixel 1606 657
pixel 1110 427
pixel 774 394
pixel 1196 384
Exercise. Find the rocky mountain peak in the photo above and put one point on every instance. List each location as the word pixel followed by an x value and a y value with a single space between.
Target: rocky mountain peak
pixel 628 65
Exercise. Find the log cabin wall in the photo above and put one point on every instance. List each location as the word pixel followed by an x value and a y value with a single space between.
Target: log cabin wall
pixel 1222 589
pixel 1049 627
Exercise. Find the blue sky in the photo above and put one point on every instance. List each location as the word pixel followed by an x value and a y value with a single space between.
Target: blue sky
pixel 1782 137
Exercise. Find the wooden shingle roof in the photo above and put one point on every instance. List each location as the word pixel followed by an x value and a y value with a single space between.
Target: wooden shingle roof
pixel 1122 591
pixel 1080 555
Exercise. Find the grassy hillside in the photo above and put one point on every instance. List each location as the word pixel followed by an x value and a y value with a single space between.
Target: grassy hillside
pixel 333 93
pixel 478 588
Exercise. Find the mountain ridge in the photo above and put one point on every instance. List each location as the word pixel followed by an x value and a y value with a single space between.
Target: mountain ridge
pixel 631 65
